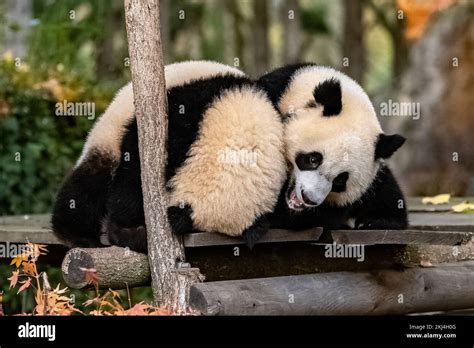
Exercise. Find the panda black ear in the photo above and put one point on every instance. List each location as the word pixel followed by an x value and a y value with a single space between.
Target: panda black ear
pixel 387 145
pixel 328 94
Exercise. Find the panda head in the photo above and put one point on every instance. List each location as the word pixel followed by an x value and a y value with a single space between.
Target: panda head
pixel 334 141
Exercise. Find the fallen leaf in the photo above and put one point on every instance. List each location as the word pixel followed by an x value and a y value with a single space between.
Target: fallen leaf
pixel 426 263
pixel 439 199
pixel 14 278
pixel 90 275
pixel 91 301
pixel 464 207
pixel 25 285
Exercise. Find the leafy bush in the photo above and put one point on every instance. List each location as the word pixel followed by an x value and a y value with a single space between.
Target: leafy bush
pixel 37 148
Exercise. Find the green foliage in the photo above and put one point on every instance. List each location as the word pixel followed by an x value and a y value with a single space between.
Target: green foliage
pixel 213 38
pixel 37 148
pixel 313 20
pixel 65 34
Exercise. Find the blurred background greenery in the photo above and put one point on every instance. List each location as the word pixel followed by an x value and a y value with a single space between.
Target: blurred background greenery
pixel 76 50
pixel 418 51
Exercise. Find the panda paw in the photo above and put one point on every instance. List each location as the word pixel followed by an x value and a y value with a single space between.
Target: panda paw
pixel 180 219
pixel 367 225
pixel 253 234
pixel 374 224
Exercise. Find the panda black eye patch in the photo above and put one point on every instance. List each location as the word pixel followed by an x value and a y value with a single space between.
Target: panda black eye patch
pixel 339 182
pixel 309 161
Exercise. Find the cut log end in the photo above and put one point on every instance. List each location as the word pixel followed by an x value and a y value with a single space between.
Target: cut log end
pixel 114 267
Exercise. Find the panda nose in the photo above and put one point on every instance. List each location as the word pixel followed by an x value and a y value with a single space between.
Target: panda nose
pixel 308 201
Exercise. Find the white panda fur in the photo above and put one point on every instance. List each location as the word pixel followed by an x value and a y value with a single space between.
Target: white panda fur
pixel 217 189
pixel 107 132
pixel 343 138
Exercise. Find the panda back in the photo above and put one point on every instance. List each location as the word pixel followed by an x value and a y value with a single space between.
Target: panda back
pixel 225 153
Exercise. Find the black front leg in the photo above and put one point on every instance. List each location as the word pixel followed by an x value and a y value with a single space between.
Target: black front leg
pixel 252 234
pixel 180 219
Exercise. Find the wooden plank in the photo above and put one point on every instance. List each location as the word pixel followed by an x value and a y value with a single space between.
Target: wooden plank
pixel 448 287
pixel 273 236
pixel 372 237
pixel 422 234
pixel 36 228
pixel 26 233
pixel 23 234
pixel 37 220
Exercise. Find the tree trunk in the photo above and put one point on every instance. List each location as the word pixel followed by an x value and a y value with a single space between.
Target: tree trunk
pixel 170 283
pixel 388 17
pixel 400 51
pixel 106 55
pixel 438 79
pixel 238 32
pixel 354 49
pixel 261 47
pixel 290 19
pixel 17 19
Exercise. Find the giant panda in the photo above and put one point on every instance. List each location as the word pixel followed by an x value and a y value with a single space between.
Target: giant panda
pixel 212 109
pixel 336 150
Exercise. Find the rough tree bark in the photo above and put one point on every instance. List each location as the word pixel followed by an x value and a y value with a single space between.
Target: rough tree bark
pixel 170 282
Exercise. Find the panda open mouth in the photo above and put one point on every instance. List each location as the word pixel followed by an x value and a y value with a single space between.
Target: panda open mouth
pixel 296 203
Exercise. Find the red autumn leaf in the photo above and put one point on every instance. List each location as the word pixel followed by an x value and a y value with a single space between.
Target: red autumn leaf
pixel 29 268
pixel 25 285
pixel 14 278
pixel 90 275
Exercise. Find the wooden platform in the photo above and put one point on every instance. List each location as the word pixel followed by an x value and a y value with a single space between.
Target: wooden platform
pixel 439 226
pixel 418 261
pixel 433 234
pixel 435 220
